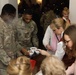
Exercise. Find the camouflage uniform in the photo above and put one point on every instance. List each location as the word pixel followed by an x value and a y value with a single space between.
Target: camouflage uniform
pixel 8 45
pixel 27 34
pixel 46 19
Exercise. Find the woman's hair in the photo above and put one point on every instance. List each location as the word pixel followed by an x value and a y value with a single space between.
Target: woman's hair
pixel 57 23
pixel 19 66
pixel 52 66
pixel 71 32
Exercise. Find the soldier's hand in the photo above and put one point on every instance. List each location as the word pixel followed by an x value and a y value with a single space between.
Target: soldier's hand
pixel 25 52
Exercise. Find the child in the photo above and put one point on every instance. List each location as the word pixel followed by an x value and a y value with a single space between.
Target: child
pixel 53 35
pixel 69 38
pixel 65 15
pixel 53 66
pixel 19 66
pixel 58 26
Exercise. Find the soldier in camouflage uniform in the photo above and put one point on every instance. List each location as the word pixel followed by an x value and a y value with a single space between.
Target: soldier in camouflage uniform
pixel 8 44
pixel 27 31
pixel 46 19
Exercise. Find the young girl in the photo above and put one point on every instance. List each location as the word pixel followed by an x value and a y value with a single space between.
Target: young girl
pixel 19 66
pixel 53 66
pixel 53 35
pixel 69 38
pixel 58 26
pixel 65 15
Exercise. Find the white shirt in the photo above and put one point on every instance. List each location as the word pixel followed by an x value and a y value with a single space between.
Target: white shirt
pixel 47 36
pixel 60 51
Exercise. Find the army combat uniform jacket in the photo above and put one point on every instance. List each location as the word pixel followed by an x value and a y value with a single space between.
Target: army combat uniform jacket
pixel 27 34
pixel 8 45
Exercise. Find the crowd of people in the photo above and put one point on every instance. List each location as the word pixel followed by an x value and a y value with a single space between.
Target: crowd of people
pixel 57 36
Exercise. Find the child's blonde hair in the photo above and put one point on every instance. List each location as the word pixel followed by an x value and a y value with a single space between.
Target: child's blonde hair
pixel 59 22
pixel 19 66
pixel 65 10
pixel 52 66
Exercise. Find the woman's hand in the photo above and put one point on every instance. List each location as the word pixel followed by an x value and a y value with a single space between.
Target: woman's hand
pixel 48 47
pixel 43 52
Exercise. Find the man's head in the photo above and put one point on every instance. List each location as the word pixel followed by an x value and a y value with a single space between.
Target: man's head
pixel 27 15
pixel 8 12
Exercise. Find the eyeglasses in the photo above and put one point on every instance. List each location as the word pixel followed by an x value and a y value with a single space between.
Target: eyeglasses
pixel 67 41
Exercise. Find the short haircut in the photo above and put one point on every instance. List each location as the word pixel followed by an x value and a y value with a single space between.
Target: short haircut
pixel 8 9
pixel 28 11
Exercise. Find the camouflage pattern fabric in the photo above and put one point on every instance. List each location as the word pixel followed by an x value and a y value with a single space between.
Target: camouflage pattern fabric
pixel 3 72
pixel 8 45
pixel 47 18
pixel 27 34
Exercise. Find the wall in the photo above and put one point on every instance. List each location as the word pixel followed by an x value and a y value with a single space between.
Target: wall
pixel 2 2
pixel 72 9
pixel 13 2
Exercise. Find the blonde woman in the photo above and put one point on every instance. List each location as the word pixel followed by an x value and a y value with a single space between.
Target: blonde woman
pixel 58 26
pixel 52 37
pixel 19 66
pixel 53 66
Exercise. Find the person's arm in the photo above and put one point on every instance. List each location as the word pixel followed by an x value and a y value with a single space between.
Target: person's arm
pixel 43 52
pixel 4 58
pixel 71 69
pixel 42 20
pixel 25 51
pixel 60 51
pixel 34 35
pixel 19 47
pixel 47 38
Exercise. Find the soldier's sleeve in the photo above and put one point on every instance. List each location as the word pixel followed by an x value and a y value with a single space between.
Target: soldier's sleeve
pixel 4 58
pixel 34 36
pixel 19 47
pixel 42 20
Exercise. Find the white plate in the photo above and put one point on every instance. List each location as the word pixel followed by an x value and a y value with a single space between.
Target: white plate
pixel 33 49
pixel 37 51
pixel 31 52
